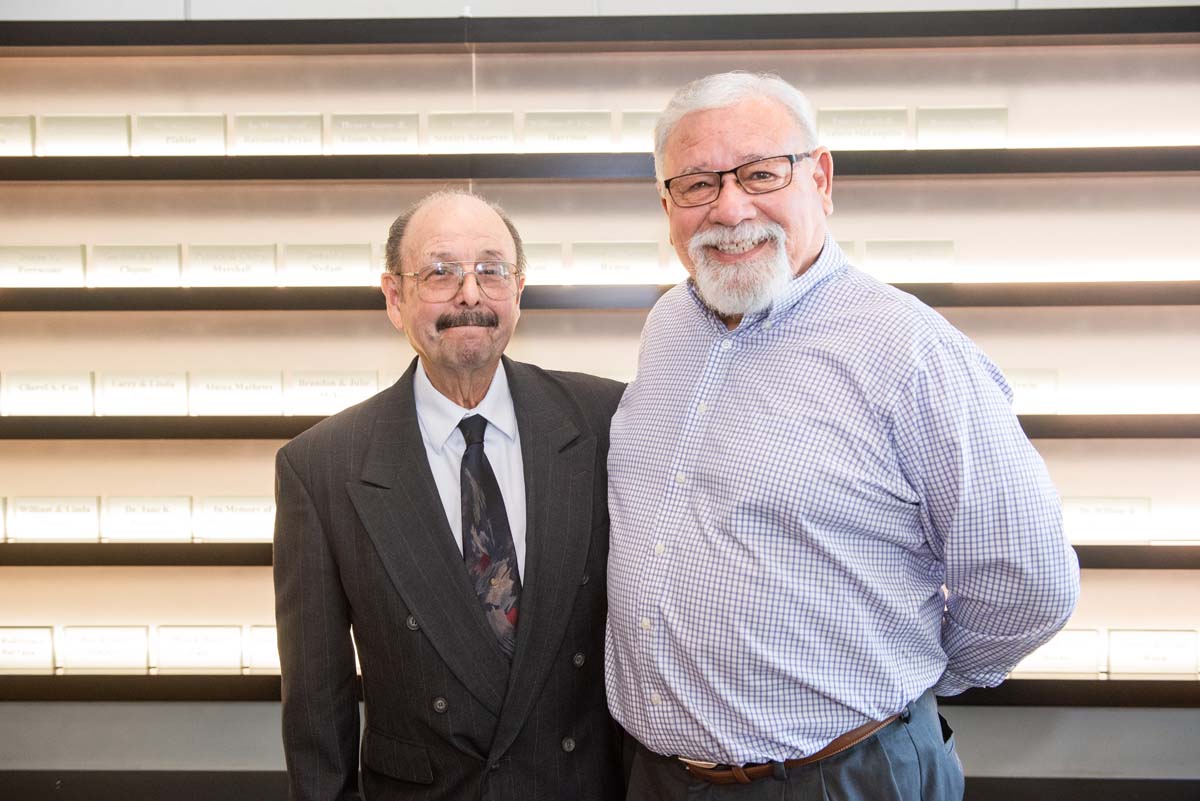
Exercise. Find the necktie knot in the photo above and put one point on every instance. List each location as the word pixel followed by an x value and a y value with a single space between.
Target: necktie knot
pixel 472 429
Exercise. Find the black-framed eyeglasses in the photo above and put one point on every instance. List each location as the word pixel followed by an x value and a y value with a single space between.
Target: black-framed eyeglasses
pixel 440 281
pixel 756 177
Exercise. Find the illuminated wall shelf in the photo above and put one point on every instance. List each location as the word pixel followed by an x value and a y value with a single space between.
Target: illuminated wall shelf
pixel 579 166
pixel 1037 426
pixel 631 296
pixel 466 34
pixel 1014 692
pixel 258 554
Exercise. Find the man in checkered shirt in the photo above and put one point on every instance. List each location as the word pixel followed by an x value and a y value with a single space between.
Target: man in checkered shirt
pixel 824 512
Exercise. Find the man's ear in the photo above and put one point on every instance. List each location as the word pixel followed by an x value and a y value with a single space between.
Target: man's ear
pixel 822 177
pixel 392 286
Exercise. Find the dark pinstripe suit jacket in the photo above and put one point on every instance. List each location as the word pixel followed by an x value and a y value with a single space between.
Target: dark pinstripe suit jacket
pixel 362 544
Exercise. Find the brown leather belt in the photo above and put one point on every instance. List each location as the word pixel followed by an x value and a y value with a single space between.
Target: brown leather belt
pixel 744 774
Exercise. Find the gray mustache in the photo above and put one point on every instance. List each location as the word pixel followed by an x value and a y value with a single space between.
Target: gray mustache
pixel 480 317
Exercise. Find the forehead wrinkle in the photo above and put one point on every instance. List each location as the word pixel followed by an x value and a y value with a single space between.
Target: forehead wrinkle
pixel 739 160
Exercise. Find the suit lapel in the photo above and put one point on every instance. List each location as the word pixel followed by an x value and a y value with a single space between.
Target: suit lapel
pixel 397 501
pixel 558 466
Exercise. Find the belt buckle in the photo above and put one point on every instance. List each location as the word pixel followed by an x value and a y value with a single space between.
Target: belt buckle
pixel 698 763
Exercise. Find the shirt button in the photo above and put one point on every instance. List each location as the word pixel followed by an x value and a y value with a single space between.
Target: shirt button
pixel 645 624
pixel 701 407
pixel 768 325
pixel 493 582
pixel 726 345
pixel 568 744
pixel 655 699
pixel 440 705
pixel 680 478
pixel 411 622
pixel 659 549
pixel 494 766
pixel 578 659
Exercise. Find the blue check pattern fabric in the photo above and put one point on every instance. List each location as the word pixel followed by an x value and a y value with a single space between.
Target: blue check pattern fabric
pixel 816 517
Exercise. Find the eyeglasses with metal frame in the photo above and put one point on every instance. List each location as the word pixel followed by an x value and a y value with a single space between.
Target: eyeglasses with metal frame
pixel 756 177
pixel 441 280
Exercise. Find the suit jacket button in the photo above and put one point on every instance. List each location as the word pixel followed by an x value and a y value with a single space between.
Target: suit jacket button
pixel 578 659
pixel 440 705
pixel 586 578
pixel 411 622
pixel 568 744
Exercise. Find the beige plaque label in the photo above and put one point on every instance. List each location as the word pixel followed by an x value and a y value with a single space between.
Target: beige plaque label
pixel 544 263
pixel 1070 651
pixel 75 519
pixel 141 394
pixel 568 131
pixel 466 132
pixel 910 261
pixel 16 136
pixel 38 394
pixel 194 649
pixel 84 135
pixel 26 649
pixel 262 650
pixel 1107 520
pixel 374 133
pixel 134 265
pixel 328 265
pixel 311 392
pixel 230 265
pixel 276 134
pixel 234 519
pixel 105 649
pixel 967 127
pixel 41 265
pixel 1035 390
pixel 1152 652
pixel 863 128
pixel 179 135
pixel 637 131
pixel 133 519
pixel 235 393
pixel 615 263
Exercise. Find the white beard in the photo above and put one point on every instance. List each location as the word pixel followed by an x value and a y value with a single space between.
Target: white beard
pixel 744 287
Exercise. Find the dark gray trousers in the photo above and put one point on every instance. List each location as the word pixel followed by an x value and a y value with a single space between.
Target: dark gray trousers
pixel 911 759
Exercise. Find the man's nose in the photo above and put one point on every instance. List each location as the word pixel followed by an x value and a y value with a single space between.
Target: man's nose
pixel 468 293
pixel 733 205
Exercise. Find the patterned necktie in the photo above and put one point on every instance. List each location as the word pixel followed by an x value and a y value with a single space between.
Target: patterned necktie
pixel 488 549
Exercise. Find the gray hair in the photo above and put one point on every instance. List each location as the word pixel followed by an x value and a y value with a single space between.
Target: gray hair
pixel 391 251
pixel 725 89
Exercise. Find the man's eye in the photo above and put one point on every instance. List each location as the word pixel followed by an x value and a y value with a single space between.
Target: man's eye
pixel 697 185
pixel 439 270
pixel 489 268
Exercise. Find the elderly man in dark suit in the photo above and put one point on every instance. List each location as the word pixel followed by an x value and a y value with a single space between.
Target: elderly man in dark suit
pixel 456 524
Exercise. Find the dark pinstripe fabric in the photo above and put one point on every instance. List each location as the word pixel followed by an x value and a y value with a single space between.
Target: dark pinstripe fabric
pixel 362 543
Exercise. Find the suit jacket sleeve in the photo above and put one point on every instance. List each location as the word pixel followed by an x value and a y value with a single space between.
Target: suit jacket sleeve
pixel 320 699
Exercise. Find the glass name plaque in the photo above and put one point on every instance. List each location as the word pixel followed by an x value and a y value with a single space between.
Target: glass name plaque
pixel 179 135
pixel 467 132
pixel 198 649
pixel 568 131
pixel 544 264
pixel 141 394
pixel 262 650
pixel 16 136
pixel 308 392
pixel 41 265
pixel 234 519
pixel 134 265
pixel 614 263
pixel 1107 520
pixel 132 519
pixel 71 519
pixel 1035 391
pixel 903 261
pixel 637 131
pixel 945 128
pixel 46 394
pixel 373 133
pixel 328 265
pixel 863 128
pixel 83 135
pixel 27 649
pixel 276 134
pixel 235 393
pixel 1075 652
pixel 105 649
pixel 230 265
pixel 1152 653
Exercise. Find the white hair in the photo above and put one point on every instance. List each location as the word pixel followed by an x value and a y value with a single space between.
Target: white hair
pixel 726 89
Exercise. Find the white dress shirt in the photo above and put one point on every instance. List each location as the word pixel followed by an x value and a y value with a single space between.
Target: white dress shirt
pixel 439 417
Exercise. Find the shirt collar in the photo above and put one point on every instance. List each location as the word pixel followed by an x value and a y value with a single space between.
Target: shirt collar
pixel 439 416
pixel 828 262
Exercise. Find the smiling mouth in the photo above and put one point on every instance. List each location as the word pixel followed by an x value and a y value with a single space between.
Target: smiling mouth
pixel 468 319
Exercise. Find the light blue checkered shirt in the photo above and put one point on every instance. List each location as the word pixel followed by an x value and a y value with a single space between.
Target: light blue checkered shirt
pixel 788 500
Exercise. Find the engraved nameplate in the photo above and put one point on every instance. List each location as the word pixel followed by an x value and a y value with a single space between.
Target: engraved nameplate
pixel 637 131
pixel 179 135
pixel 328 265
pixel 309 392
pixel 544 263
pixel 615 263
pixel 568 131
pixel 962 127
pixel 199 649
pixel 134 265
pixel 1107 520
pixel 373 133
pixel 262 650
pixel 16 136
pixel 133 519
pixel 910 261
pixel 73 519
pixel 105 649
pixel 235 393
pixel 1079 651
pixel 141 394
pixel 84 135
pixel 1152 652
pixel 234 519
pixel 41 265
pixel 1035 390
pixel 230 265
pixel 467 132
pixel 26 649
pixel 46 394
pixel 276 134
pixel 863 128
